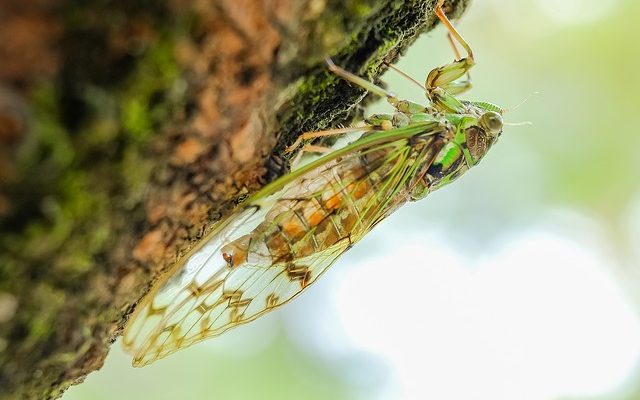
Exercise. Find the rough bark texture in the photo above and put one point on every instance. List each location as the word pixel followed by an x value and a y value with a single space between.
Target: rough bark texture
pixel 128 128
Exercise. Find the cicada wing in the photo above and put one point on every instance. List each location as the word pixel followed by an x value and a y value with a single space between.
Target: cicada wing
pixel 171 297
pixel 234 298
pixel 206 296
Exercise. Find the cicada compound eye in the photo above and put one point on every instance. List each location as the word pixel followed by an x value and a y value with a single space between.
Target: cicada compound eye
pixel 491 122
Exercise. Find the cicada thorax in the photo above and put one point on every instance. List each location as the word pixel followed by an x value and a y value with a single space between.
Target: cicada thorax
pixel 339 202
pixel 456 158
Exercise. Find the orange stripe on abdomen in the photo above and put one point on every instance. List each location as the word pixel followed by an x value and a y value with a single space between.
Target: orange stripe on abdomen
pixel 338 203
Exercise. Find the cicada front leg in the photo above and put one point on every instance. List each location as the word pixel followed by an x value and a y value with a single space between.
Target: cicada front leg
pixel 443 83
pixel 402 106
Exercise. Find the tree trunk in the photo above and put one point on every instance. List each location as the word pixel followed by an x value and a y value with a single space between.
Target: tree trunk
pixel 128 128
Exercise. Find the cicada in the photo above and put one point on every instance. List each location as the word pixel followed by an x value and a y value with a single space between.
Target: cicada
pixel 284 237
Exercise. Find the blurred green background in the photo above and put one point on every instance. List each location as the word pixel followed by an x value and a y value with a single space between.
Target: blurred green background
pixel 520 281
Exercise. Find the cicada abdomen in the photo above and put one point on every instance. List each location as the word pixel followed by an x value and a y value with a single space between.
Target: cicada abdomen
pixel 338 203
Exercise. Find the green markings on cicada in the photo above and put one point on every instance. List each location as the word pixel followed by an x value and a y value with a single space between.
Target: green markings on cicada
pixel 288 234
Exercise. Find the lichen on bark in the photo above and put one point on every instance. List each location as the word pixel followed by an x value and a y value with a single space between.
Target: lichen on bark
pixel 128 128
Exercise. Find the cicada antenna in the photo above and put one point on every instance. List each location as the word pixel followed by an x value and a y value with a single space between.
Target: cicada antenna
pixel 521 123
pixel 526 99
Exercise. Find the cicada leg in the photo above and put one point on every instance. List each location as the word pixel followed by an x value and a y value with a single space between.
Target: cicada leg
pixel 363 83
pixel 317 134
pixel 442 82
pixel 329 132
pixel 460 86
pixel 403 106
pixel 309 148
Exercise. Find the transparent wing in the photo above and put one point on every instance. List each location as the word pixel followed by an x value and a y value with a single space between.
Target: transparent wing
pixel 160 319
pixel 208 295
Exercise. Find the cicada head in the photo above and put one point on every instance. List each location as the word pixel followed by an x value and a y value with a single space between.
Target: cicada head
pixel 481 136
pixel 480 127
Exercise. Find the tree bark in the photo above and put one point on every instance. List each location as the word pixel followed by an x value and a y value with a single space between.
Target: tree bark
pixel 128 128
